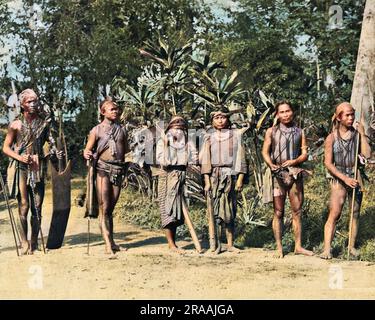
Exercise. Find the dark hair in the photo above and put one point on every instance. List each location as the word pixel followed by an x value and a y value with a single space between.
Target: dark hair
pixel 278 104
pixel 107 100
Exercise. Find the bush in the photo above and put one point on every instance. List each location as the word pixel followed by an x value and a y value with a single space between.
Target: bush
pixel 134 208
pixel 367 251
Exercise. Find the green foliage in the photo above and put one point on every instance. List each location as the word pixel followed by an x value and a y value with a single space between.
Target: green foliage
pixel 3 159
pixel 367 251
pixel 278 46
pixel 81 46
pixel 175 83
pixel 218 91
pixel 133 208
pixel 142 98
pixel 161 86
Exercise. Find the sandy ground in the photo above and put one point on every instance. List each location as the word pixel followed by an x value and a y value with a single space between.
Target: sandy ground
pixel 149 271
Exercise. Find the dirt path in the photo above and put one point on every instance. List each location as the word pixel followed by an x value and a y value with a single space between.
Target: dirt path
pixel 148 271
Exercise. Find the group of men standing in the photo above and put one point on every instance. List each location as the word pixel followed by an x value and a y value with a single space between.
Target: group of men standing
pixel 222 164
pixel 285 149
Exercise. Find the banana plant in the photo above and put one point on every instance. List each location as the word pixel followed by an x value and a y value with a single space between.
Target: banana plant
pixel 141 100
pixel 259 112
pixel 203 65
pixel 174 63
pixel 216 92
pixel 166 55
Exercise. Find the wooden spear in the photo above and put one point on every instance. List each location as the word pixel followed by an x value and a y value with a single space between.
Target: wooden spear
pixel 11 217
pixel 354 189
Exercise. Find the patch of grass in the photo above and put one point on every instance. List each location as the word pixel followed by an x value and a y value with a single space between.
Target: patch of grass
pixel 3 159
pixel 367 250
pixel 141 211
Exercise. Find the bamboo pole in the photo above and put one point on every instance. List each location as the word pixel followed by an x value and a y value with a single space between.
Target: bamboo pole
pixel 211 222
pixel 11 217
pixel 354 189
pixel 190 226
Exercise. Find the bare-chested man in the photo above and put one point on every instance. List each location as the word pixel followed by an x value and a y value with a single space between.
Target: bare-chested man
pixel 24 144
pixel 284 150
pixel 106 147
pixel 339 159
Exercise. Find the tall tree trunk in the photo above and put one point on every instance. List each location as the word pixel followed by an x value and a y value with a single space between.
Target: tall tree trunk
pixel 364 80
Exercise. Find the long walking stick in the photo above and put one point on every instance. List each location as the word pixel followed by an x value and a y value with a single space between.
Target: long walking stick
pixel 5 189
pixel 39 217
pixel 11 217
pixel 90 182
pixel 211 222
pixel 88 235
pixel 354 189
pixel 190 225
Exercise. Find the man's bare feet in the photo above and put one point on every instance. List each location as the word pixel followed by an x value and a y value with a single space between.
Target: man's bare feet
pixel 117 248
pixel 33 247
pixel 354 253
pixel 112 257
pixel 279 254
pixel 219 248
pixel 303 252
pixel 326 255
pixel 209 252
pixel 233 249
pixel 109 251
pixel 25 247
pixel 177 250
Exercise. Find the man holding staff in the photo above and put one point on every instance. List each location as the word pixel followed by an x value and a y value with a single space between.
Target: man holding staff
pixel 106 148
pixel 340 155
pixel 174 153
pixel 24 144
pixel 223 166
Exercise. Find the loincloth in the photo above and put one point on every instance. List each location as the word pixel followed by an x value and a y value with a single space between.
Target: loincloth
pixel 349 172
pixel 284 178
pixel 114 170
pixel 30 174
